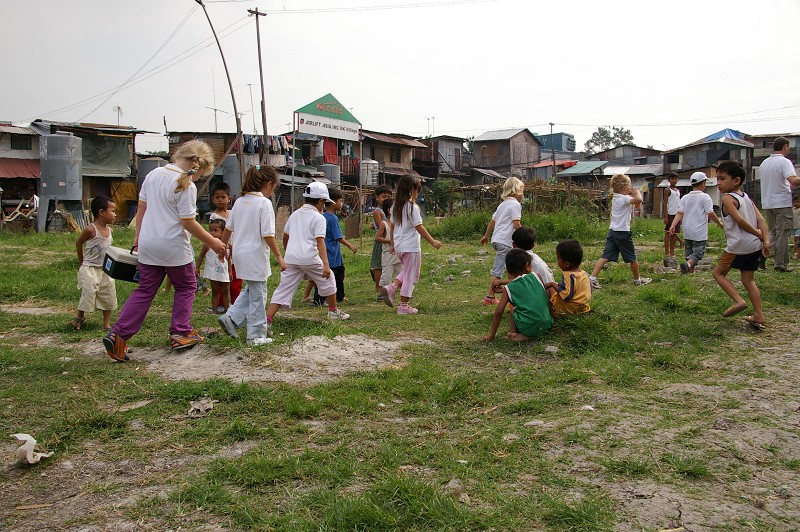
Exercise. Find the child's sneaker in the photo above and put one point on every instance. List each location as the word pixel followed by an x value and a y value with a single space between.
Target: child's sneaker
pixel 684 268
pixel 594 284
pixel 641 281
pixel 227 325
pixel 116 346
pixel 388 294
pixel 379 298
pixel 338 315
pixel 405 308
pixel 179 342
pixel 259 340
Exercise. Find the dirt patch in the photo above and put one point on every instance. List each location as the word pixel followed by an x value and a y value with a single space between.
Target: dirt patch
pixel 23 308
pixel 309 360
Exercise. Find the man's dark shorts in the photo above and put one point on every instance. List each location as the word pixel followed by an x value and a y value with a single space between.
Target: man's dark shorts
pixel 619 242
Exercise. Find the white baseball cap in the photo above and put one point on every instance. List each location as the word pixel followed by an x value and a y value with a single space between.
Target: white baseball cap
pixel 697 177
pixel 316 190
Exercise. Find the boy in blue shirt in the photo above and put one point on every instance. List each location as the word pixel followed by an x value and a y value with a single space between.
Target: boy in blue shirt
pixel 333 239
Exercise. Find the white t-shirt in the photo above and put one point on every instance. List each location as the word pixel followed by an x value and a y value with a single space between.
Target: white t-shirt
pixel 508 211
pixel 672 201
pixel 739 241
pixel 250 221
pixel 621 211
pixel 695 206
pixel 775 190
pixel 214 269
pixel 540 267
pixel 162 239
pixel 304 226
pixel 406 237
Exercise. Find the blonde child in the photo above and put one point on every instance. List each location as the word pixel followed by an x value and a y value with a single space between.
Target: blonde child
pixel 619 239
pixel 382 193
pixel 165 219
pixel 216 272
pixel 405 229
pixel 573 293
pixel 747 238
pixel 97 289
pixel 390 264
pixel 503 223
pixel 304 242
pixel 251 232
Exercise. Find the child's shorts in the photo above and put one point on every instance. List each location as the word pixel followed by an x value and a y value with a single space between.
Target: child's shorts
pixel 375 259
pixel 293 275
pixel 745 263
pixel 619 242
pixel 97 289
pixel 670 219
pixel 695 249
pixel 499 266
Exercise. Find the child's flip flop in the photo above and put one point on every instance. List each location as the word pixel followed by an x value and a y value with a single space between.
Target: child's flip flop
pixel 77 323
pixel 757 325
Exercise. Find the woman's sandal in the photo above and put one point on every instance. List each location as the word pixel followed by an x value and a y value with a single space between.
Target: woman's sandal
pixel 757 325
pixel 77 323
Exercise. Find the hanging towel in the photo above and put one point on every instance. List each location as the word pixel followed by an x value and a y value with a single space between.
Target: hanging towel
pixel 331 151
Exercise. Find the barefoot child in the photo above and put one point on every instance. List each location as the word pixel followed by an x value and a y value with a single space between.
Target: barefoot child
pixel 97 289
pixel 573 293
pixel 503 223
pixel 216 272
pixel 390 264
pixel 221 198
pixel 530 315
pixel 747 240
pixel 405 231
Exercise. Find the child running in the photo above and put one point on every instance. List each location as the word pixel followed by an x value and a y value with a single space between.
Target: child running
pixel 216 272
pixel 530 315
pixel 382 193
pixel 619 239
pixel 333 241
pixel 221 198
pixel 505 220
pixel 747 241
pixel 573 293
pixel 97 289
pixel 694 211
pixel 405 231
pixel 251 232
pixel 304 242
pixel 165 219
pixel 390 264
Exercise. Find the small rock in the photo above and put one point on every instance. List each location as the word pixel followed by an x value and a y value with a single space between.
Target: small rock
pixel 551 349
pixel 65 359
pixel 510 437
pixel 722 423
pixel 482 252
pixel 308 397
pixel 513 371
pixel 784 492
pixel 451 260
pixel 466 273
pixel 534 423
pixel 588 408
pixel 499 355
pixel 381 405
pixel 462 462
pixel 463 498
pixel 448 279
pixel 136 424
pixel 397 401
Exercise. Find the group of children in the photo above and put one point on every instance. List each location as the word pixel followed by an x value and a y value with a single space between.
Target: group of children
pixel 245 236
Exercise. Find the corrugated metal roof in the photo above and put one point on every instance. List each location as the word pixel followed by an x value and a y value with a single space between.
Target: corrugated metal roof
pixel 582 168
pixel 726 136
pixel 24 168
pixel 639 169
pixel 490 173
pixel 499 134
pixel 565 164
pixel 399 170
pixel 684 182
pixel 388 139
pixel 43 127
pixel 17 130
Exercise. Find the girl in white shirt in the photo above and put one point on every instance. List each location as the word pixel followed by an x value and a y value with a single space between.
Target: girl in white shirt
pixel 505 220
pixel 405 231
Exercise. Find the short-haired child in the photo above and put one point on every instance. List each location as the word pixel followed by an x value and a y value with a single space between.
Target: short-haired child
pixel 525 238
pixel 390 264
pixel 619 239
pixel 216 272
pixel 334 239
pixel 670 197
pixel 796 225
pixel 381 194
pixel 506 218
pixel 97 289
pixel 694 211
pixel 747 238
pixel 304 242
pixel 221 198
pixel 573 293
pixel 530 315
pixel 251 232
pixel 405 230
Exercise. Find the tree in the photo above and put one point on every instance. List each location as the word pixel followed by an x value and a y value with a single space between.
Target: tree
pixel 608 137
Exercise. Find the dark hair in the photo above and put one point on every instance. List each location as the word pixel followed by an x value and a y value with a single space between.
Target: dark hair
pixel 570 251
pixel 405 186
pixel 386 206
pixel 221 186
pixel 524 237
pixel 733 169
pixel 516 259
pixel 778 144
pixel 671 175
pixel 217 221
pixel 100 203
pixel 257 176
pixel 335 194
pixel 382 189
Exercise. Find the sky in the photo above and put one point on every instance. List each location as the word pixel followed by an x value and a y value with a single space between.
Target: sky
pixel 671 72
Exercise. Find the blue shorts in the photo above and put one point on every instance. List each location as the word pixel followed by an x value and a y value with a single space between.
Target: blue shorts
pixel 619 242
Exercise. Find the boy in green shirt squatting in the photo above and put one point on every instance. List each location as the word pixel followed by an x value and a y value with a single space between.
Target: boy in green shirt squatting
pixel 530 315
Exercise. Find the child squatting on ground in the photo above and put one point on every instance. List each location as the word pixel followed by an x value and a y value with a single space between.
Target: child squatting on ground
pixel 619 238
pixel 694 211
pixel 505 220
pixel 251 233
pixel 216 272
pixel 165 219
pixel 747 241
pixel 333 246
pixel 97 289
pixel 405 231
pixel 530 315
pixel 573 293
pixel 304 242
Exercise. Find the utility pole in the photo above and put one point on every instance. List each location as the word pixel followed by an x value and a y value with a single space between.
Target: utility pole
pixel 233 96
pixel 215 116
pixel 553 149
pixel 258 14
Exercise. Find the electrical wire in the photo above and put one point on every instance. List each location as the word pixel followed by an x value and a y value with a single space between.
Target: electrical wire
pixel 358 8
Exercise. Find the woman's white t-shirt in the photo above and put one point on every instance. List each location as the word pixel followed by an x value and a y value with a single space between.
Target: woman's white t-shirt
pixel 162 239
pixel 621 210
pixel 406 237
pixel 250 221
pixel 505 214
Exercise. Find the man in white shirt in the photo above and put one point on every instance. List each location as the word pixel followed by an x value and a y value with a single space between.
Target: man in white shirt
pixel 778 178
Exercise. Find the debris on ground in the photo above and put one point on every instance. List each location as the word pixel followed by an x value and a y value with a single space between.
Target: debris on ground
pixel 27 451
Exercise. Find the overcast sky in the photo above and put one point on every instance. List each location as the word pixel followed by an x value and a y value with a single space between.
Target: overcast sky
pixel 671 72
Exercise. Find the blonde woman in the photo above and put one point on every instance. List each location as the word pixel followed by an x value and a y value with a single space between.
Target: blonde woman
pixel 505 220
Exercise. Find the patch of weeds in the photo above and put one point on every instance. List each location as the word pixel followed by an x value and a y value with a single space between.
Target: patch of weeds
pixel 461 390
pixel 668 360
pixel 792 463
pixel 629 467
pixel 221 389
pixel 297 406
pixel 199 493
pixel 689 467
pixel 589 513
pixel 541 403
pixel 241 430
pixel 571 437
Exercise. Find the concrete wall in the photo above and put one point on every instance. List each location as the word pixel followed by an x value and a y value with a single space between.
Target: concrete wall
pixel 7 152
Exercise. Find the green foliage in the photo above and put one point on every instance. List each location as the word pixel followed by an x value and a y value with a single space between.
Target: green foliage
pixel 608 137
pixel 442 194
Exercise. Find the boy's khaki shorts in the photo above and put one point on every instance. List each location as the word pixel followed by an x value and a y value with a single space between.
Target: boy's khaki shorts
pixel 98 290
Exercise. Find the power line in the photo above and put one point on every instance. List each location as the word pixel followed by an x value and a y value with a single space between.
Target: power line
pixel 358 8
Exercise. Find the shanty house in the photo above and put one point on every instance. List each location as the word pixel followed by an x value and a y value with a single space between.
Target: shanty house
pixel 443 157
pixel 19 164
pixel 393 153
pixel 507 151
pixel 627 155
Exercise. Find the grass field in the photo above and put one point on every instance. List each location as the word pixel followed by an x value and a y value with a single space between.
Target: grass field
pixel 652 412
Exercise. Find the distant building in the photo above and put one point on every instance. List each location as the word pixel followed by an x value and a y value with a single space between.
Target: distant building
pixel 19 164
pixel 443 157
pixel 393 153
pixel 627 154
pixel 507 151
pixel 561 141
